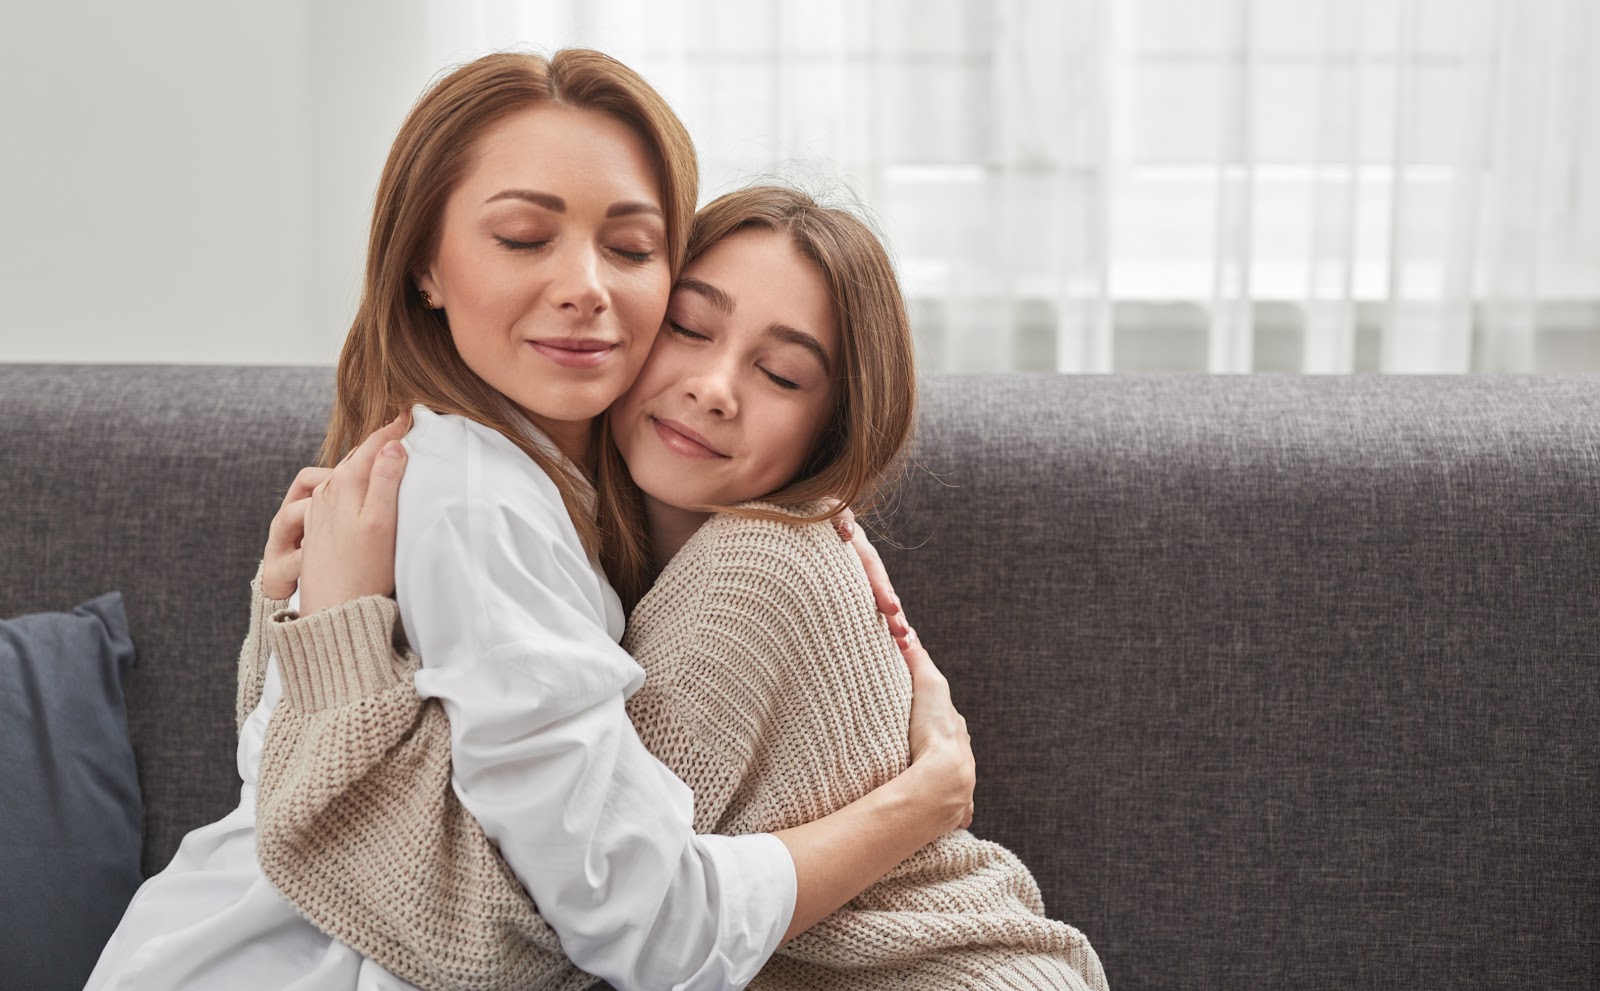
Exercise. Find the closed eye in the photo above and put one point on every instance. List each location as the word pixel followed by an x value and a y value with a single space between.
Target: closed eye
pixel 781 382
pixel 507 242
pixel 685 332
pixel 634 256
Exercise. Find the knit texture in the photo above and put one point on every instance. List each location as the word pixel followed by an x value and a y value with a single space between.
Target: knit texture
pixel 253 655
pixel 358 827
pixel 774 691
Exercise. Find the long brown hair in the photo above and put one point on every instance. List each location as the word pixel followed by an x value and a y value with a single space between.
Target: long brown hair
pixel 398 352
pixel 875 385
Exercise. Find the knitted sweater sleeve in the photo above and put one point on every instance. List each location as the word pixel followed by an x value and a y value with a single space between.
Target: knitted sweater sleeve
pixel 357 824
pixel 253 655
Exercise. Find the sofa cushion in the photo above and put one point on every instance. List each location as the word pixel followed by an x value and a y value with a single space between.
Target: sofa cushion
pixel 69 795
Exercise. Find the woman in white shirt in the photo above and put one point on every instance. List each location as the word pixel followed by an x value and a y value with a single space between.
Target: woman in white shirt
pixel 528 225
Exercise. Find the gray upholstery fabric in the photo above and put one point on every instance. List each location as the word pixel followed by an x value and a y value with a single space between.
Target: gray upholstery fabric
pixel 69 795
pixel 160 482
pixel 1275 682
pixel 1278 682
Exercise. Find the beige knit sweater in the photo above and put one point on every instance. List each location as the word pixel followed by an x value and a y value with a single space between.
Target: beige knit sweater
pixel 773 690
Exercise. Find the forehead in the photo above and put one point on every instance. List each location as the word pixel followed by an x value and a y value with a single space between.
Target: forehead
pixel 769 282
pixel 573 152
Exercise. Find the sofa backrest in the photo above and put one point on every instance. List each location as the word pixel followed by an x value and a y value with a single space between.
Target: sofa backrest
pixel 1274 682
pixel 158 482
pixel 1278 682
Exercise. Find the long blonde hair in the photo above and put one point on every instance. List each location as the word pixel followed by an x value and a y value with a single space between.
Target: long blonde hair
pixel 874 412
pixel 400 353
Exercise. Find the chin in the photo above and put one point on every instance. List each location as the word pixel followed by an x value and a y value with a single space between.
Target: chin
pixel 571 402
pixel 669 486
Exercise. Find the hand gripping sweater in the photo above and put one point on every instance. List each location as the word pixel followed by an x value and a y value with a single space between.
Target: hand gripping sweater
pixel 773 690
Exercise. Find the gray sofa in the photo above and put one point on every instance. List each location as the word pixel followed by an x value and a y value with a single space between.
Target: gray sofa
pixel 1274 682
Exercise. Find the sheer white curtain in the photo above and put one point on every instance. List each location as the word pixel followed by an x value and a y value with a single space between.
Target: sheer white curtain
pixel 1223 185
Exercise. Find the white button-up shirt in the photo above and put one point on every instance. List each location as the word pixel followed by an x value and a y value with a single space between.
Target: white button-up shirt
pixel 518 633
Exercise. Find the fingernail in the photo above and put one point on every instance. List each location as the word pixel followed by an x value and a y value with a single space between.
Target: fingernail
pixel 394 449
pixel 896 600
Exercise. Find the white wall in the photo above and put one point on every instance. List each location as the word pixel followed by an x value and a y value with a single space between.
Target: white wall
pixel 190 181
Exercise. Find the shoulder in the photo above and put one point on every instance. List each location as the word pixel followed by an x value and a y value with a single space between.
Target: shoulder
pixel 789 598
pixel 459 466
pixel 786 539
pixel 802 565
pixel 482 529
pixel 446 447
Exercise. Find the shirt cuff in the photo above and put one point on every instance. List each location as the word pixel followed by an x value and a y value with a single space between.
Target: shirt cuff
pixel 759 868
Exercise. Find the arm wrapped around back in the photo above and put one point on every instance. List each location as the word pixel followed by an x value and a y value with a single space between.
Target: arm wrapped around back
pixel 772 689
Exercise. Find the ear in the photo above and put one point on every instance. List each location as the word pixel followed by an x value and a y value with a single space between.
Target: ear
pixel 425 281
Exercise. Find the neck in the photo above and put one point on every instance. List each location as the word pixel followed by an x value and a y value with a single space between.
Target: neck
pixel 573 438
pixel 670 529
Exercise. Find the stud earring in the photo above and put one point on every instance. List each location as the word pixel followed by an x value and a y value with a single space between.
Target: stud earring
pixel 427 300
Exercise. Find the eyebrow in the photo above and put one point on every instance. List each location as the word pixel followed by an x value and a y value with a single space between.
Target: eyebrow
pixel 794 335
pixel 550 201
pixel 630 207
pixel 710 293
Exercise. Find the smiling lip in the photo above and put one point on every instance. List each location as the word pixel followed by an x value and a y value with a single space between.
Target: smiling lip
pixel 574 352
pixel 681 440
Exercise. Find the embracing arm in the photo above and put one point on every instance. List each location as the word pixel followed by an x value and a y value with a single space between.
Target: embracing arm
pixel 350 721
pixel 275 582
pixel 828 855
pixel 773 663
pixel 516 629
pixel 354 788
pixel 585 815
pixel 355 781
pixel 840 855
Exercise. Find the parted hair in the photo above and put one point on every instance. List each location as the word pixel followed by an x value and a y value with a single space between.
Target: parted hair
pixel 398 352
pixel 861 451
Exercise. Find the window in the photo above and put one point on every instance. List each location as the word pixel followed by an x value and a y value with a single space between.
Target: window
pixel 1224 185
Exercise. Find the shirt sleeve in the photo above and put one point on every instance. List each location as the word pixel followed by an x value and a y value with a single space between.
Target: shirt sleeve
pixel 501 603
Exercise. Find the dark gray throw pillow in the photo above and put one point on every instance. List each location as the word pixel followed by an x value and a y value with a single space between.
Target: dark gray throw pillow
pixel 70 810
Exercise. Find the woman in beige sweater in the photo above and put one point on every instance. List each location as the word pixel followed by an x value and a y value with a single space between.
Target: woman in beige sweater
pixel 773 687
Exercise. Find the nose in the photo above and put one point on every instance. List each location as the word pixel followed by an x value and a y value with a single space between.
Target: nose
pixel 712 388
pixel 577 288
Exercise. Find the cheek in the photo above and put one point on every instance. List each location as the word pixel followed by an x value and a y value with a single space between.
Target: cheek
pixel 813 424
pixel 628 420
pixel 474 286
pixel 456 266
pixel 641 356
pixel 641 295
pixel 789 440
pixel 665 367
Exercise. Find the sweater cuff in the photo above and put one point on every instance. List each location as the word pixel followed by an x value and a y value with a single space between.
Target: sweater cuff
pixel 339 655
pixel 262 606
pixel 253 655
